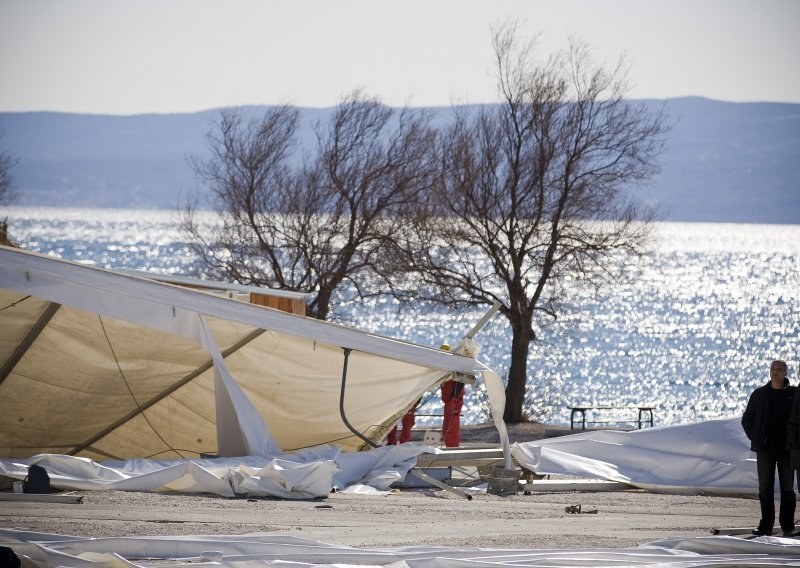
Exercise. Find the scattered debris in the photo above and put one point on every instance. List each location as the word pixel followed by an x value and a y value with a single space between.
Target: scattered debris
pixel 576 510
pixel 42 498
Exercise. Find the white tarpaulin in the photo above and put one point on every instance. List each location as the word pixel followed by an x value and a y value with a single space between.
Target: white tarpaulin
pixel 306 474
pixel 251 551
pixel 113 366
pixel 711 457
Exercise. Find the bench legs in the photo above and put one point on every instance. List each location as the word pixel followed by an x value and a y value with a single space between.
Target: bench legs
pixel 645 416
pixel 641 412
pixel 572 418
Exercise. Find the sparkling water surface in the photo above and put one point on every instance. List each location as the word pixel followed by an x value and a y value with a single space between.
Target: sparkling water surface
pixel 690 329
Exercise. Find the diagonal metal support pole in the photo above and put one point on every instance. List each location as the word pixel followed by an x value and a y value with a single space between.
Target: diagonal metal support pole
pixel 483 321
pixel 28 340
pixel 416 472
pixel 164 394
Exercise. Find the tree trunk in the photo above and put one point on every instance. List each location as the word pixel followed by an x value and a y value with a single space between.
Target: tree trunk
pixel 322 304
pixel 517 375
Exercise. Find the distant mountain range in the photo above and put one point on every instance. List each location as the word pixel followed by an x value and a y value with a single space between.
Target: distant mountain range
pixel 725 162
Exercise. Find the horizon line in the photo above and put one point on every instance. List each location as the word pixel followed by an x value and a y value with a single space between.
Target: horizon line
pixel 312 107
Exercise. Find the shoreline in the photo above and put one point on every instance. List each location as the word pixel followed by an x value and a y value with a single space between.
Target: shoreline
pixel 486 433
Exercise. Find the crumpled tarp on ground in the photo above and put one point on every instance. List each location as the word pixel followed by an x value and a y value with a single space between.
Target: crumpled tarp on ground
pixel 711 458
pixel 47 550
pixel 306 474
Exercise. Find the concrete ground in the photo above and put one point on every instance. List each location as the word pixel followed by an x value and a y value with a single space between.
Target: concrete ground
pixel 407 517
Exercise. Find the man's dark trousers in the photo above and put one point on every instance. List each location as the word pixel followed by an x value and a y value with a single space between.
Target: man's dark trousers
pixel 767 463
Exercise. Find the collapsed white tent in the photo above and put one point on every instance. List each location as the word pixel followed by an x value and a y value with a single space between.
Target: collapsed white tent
pixel 306 474
pixel 245 551
pixel 711 458
pixel 106 365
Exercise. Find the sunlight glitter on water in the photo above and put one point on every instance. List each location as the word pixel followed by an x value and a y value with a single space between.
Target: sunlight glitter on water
pixel 691 329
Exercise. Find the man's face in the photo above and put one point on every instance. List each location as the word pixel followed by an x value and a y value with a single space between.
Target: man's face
pixel 777 371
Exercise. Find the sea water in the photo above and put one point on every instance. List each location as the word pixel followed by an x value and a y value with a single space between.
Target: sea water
pixel 690 329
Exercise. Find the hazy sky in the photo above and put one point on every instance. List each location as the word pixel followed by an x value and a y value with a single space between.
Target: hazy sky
pixel 140 56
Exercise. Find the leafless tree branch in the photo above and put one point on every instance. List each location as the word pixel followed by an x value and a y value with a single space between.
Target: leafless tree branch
pixel 328 221
pixel 535 190
pixel 7 162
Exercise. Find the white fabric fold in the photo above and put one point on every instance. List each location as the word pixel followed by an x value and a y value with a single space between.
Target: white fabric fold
pixel 246 551
pixel 306 475
pixel 710 457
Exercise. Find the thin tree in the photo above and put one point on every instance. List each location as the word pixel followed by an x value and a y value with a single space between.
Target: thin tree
pixel 535 191
pixel 324 221
pixel 7 162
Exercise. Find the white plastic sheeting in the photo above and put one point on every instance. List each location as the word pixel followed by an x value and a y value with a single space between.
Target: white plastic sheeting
pixel 710 457
pixel 46 551
pixel 304 475
pixel 107 365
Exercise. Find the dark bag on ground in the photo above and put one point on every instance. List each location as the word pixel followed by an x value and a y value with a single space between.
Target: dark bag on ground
pixel 37 480
pixel 8 558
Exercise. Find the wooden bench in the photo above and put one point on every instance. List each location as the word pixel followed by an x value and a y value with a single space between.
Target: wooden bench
pixel 645 415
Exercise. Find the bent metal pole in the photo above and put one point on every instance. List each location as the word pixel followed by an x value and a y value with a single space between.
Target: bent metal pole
pixel 414 471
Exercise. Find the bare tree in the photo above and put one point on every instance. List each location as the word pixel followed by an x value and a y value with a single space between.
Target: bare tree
pixel 7 161
pixel 325 221
pixel 534 192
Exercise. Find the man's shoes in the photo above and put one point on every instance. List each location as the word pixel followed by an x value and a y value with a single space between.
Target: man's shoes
pixel 762 532
pixel 788 534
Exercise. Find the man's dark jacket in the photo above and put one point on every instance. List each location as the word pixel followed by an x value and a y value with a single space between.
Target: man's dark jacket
pixel 755 420
pixel 793 431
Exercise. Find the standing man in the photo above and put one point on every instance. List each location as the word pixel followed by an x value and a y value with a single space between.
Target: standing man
pixel 765 422
pixel 793 433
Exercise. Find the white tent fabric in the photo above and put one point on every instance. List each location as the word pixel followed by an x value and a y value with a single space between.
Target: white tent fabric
pixel 712 458
pixel 306 474
pixel 47 550
pixel 106 365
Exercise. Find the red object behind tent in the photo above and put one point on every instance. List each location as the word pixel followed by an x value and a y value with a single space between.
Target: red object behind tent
pixel 453 398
